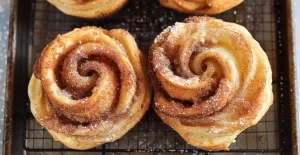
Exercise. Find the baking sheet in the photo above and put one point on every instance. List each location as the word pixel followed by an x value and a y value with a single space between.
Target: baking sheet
pixel 259 17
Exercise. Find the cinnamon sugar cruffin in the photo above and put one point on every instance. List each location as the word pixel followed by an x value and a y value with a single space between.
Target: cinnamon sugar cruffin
pixel 90 87
pixel 212 80
pixel 205 7
pixel 88 8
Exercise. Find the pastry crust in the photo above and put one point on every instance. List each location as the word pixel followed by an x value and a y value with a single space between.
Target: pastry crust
pixel 90 87
pixel 205 7
pixel 211 81
pixel 88 8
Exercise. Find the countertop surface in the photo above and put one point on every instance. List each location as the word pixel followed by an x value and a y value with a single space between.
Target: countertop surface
pixel 4 27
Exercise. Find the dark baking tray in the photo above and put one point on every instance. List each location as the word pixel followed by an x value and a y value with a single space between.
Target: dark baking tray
pixel 35 23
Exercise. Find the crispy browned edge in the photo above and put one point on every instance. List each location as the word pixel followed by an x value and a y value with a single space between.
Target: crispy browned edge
pixel 7 140
pixel 7 137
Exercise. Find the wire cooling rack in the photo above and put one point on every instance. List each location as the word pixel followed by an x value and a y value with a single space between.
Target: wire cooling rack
pixel 145 19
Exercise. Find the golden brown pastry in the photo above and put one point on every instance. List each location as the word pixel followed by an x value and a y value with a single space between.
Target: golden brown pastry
pixel 207 7
pixel 90 87
pixel 212 80
pixel 88 8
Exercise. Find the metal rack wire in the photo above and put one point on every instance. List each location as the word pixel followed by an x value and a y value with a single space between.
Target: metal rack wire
pixel 145 19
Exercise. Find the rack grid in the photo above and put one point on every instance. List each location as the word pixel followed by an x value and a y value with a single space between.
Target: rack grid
pixel 145 19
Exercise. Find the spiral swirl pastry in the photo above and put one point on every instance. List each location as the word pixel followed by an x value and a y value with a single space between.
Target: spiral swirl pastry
pixel 88 8
pixel 212 80
pixel 207 7
pixel 90 87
